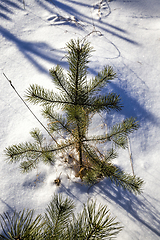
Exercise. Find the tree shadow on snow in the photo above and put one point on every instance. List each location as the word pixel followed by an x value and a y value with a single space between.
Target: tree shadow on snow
pixel 9 208
pixel 36 51
pixel 131 106
pixel 7 8
pixel 33 50
pixel 144 8
pixel 34 182
pixel 139 208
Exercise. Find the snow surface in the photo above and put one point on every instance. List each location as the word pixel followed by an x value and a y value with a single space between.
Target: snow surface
pixel 126 35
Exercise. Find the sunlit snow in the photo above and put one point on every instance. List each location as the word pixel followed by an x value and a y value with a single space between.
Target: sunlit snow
pixel 125 35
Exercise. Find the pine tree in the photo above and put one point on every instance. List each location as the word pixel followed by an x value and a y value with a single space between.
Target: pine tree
pixel 21 226
pixel 79 99
pixel 60 222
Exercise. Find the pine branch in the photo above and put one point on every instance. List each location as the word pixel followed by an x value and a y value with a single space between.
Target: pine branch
pixel 60 80
pixel 97 139
pixel 120 178
pixel 21 226
pixel 21 151
pixel 77 57
pixel 110 155
pixel 126 181
pixel 37 136
pixel 77 118
pixel 103 77
pixel 31 153
pixel 107 169
pixel 93 224
pixel 37 94
pixel 92 155
pixel 57 217
pixel 100 224
pixel 56 121
pixel 18 152
pixel 30 164
pixel 119 132
pixel 108 102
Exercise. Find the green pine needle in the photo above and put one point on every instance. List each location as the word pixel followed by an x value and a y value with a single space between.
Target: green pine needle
pixel 57 217
pixel 21 226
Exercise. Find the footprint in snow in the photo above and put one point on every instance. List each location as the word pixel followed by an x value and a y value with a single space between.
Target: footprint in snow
pixel 59 19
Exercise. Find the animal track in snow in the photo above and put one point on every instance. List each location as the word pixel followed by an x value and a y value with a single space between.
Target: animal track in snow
pixel 59 19
pixel 102 8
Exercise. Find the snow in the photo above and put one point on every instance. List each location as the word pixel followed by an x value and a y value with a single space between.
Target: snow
pixel 126 35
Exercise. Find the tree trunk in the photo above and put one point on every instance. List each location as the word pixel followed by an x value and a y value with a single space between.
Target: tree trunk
pixel 80 155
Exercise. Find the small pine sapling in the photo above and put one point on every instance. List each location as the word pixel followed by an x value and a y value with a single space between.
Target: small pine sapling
pixel 79 99
pixel 60 222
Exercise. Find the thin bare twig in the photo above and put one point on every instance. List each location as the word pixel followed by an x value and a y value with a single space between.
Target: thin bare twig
pixel 30 109
pixel 94 31
pixel 24 4
pixel 130 155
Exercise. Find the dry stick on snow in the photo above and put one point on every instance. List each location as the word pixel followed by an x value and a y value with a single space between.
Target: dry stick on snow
pixel 94 31
pixel 100 8
pixel 130 155
pixel 24 4
pixel 30 109
pixel 107 2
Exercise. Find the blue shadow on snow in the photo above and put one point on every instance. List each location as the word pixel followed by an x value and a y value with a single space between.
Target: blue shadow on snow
pixel 32 50
pixel 137 208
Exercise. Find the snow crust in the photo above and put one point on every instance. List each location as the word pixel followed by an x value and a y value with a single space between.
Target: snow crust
pixel 126 35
